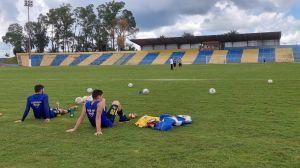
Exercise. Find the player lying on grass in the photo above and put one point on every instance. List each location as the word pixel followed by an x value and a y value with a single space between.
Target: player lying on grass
pixel 38 102
pixel 97 115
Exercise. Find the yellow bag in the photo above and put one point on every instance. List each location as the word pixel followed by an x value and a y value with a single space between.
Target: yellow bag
pixel 142 122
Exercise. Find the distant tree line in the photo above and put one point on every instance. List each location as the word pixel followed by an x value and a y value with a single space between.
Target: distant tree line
pixel 102 28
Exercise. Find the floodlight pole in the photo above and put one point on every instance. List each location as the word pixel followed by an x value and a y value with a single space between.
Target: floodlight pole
pixel 28 4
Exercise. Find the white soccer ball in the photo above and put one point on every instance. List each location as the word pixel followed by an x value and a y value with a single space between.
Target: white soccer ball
pixel 212 91
pixel 79 100
pixel 270 81
pixel 89 90
pixel 130 85
pixel 146 91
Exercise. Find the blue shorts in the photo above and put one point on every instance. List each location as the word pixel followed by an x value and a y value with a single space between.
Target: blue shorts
pixel 53 113
pixel 106 121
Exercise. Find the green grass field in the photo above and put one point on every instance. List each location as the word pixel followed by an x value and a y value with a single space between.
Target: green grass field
pixel 248 123
pixel 12 60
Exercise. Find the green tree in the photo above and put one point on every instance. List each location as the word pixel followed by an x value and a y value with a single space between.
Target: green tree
pixel 25 40
pixel 61 20
pixel 66 21
pixel 14 36
pixel 108 13
pixel 41 40
pixel 187 35
pixel 51 21
pixel 86 19
pixel 126 27
pixel 232 32
pixel 100 36
pixel 38 32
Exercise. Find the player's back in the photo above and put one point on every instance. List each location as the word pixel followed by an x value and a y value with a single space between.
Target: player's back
pixel 39 103
pixel 91 111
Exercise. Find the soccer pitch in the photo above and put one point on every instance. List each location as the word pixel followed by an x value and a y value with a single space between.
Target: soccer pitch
pixel 247 123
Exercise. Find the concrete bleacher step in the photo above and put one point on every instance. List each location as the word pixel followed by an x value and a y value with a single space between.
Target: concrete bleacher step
pixel 296 53
pixel 79 59
pixel 149 58
pixel 284 55
pixel 47 60
pixel 58 59
pixel 23 60
pixel 218 57
pixel 69 59
pixel 36 60
pixel 176 55
pixel 102 58
pixel 113 59
pixel 250 56
pixel 190 56
pixel 202 57
pixel 137 58
pixel 162 57
pixel 124 59
pixel 90 59
pixel 266 54
pixel 234 55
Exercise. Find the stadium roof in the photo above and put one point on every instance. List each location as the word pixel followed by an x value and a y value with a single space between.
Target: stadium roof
pixel 209 38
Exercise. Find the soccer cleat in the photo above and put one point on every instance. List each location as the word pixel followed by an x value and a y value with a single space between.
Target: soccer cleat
pixel 123 118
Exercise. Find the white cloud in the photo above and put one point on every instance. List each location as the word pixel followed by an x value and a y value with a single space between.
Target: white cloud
pixel 39 7
pixel 207 17
pixel 226 16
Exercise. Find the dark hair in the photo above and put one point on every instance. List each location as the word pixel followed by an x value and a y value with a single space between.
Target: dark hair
pixel 38 88
pixel 97 93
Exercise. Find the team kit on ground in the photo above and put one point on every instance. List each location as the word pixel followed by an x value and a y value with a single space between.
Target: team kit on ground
pixel 96 112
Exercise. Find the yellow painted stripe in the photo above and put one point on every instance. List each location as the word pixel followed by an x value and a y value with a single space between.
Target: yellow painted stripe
pixel 137 58
pixel 163 56
pixel 90 59
pixel 218 57
pixel 250 56
pixel 69 59
pixel 111 60
pixel 24 60
pixel 47 59
pixel 190 56
pixel 284 55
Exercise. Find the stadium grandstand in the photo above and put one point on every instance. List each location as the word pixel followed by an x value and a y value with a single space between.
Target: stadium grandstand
pixel 213 49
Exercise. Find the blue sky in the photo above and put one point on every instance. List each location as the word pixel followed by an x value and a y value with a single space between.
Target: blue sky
pixel 295 11
pixel 173 17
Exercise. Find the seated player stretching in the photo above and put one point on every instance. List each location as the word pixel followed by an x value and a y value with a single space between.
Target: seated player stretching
pixel 97 115
pixel 40 106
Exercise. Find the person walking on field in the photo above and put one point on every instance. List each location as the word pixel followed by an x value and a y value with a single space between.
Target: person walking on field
pixel 174 63
pixel 180 62
pixel 171 63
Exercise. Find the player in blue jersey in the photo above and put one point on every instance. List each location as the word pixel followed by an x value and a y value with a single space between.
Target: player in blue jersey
pixel 38 102
pixel 98 116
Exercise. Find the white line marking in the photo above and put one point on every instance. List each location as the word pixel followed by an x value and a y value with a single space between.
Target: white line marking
pixel 163 79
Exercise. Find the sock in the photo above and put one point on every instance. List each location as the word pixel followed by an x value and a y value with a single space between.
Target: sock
pixel 111 113
pixel 122 116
